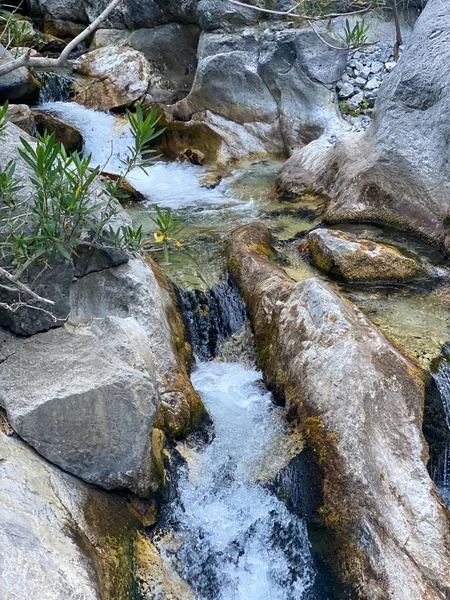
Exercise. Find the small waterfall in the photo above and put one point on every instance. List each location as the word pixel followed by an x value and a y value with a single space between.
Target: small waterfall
pixel 229 537
pixel 212 316
pixel 226 528
pixel 56 87
pixel 437 423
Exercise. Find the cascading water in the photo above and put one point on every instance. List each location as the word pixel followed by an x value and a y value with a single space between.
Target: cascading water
pixel 234 539
pixel 437 424
pixel 212 316
pixel 55 87
pixel 230 537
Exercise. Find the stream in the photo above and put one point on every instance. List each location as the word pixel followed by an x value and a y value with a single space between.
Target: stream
pixel 235 540
pixel 225 532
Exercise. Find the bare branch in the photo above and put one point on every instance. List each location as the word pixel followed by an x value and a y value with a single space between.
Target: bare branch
pixel 92 27
pixel 18 305
pixel 289 13
pixel 51 63
pixel 24 288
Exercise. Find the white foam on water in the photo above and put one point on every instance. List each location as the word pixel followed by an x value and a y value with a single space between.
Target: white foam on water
pixel 237 537
pixel 107 138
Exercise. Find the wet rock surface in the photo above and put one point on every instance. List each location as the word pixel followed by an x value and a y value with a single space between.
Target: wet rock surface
pixel 65 134
pixel 360 404
pixel 354 259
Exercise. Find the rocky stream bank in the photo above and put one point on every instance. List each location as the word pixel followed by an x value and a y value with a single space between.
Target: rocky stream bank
pixel 266 414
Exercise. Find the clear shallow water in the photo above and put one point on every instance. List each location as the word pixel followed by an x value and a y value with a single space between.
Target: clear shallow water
pixel 244 195
pixel 234 539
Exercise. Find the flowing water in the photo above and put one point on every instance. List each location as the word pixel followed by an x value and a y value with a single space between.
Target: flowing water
pixel 245 194
pixel 232 538
pixel 437 422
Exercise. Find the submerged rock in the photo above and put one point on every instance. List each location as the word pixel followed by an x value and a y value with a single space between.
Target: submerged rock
pixel 360 403
pixel 396 172
pixel 88 400
pixel 350 258
pixel 60 539
pixel 116 77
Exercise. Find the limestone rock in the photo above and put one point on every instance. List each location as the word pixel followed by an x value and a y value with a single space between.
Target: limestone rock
pixel 116 77
pixel 351 258
pixel 396 171
pixel 143 293
pixel 88 401
pixel 359 402
pixel 172 53
pixel 92 257
pixel 60 539
pixel 263 93
pixel 52 281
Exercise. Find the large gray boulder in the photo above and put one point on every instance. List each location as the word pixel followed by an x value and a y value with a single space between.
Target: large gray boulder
pixel 88 400
pixel 142 292
pixel 18 84
pixel 60 539
pixel 397 171
pixel 264 92
pixel 359 402
pixel 135 14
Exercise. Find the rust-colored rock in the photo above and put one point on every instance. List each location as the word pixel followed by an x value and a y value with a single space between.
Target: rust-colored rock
pixel 354 259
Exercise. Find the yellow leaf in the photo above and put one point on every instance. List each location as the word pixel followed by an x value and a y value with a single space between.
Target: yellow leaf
pixel 178 244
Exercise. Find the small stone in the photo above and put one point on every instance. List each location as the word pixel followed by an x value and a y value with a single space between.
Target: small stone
pixel 339 84
pixel 358 65
pixel 365 72
pixel 360 82
pixel 352 63
pixel 376 66
pixel 372 84
pixel 390 65
pixel 345 77
pixel 347 90
pixel 349 71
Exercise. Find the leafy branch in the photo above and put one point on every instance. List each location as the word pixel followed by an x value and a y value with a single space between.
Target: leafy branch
pixel 67 203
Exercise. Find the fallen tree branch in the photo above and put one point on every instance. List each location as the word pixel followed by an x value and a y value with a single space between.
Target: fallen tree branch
pixel 50 63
